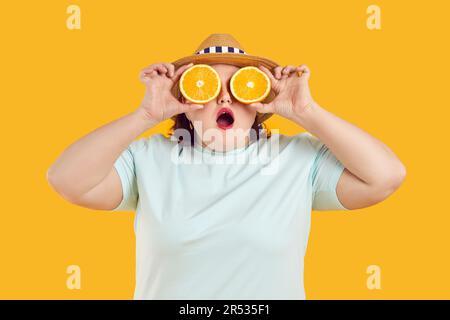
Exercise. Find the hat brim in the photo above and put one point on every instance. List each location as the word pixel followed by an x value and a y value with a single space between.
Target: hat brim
pixel 236 59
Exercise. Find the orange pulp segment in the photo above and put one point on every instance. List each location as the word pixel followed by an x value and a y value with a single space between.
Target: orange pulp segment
pixel 200 83
pixel 249 85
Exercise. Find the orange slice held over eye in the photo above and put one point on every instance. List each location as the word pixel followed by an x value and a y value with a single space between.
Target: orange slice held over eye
pixel 249 85
pixel 200 83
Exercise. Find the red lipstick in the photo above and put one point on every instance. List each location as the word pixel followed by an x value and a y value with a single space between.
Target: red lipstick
pixel 225 118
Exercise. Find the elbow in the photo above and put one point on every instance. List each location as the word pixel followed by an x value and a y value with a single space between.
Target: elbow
pixel 397 176
pixel 391 181
pixel 57 183
pixel 50 176
pixel 53 180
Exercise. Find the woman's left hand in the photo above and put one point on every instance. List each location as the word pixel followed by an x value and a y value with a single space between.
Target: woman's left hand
pixel 293 96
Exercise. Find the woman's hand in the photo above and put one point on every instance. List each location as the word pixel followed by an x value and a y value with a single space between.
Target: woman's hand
pixel 159 103
pixel 291 86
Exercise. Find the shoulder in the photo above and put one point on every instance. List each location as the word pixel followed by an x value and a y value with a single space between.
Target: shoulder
pixel 304 142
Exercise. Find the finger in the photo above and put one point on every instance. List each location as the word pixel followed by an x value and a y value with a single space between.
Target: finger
pixel 269 74
pixel 303 71
pixel 287 71
pixel 152 67
pixel 145 77
pixel 171 69
pixel 146 72
pixel 148 69
pixel 186 107
pixel 262 107
pixel 293 72
pixel 161 69
pixel 180 71
pixel 277 72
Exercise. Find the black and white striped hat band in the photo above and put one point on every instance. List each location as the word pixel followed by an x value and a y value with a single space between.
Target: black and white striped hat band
pixel 221 49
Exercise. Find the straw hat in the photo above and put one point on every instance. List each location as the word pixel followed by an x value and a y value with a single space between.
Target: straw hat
pixel 224 48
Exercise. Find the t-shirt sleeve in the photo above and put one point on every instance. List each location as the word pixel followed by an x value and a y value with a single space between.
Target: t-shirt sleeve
pixel 324 176
pixel 125 167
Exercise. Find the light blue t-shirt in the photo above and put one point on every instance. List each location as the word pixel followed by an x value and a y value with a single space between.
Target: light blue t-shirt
pixel 233 225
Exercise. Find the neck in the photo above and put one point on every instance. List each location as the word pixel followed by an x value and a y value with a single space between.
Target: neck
pixel 240 143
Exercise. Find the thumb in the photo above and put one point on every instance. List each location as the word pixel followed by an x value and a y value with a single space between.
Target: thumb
pixel 303 72
pixel 186 107
pixel 180 71
pixel 262 107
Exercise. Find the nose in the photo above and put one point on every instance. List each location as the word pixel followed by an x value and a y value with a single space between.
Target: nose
pixel 224 96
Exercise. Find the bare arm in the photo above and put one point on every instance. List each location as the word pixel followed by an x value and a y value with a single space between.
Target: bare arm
pixel 372 171
pixel 89 161
pixel 84 173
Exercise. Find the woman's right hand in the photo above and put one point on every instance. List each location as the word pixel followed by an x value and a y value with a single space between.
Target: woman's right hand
pixel 159 103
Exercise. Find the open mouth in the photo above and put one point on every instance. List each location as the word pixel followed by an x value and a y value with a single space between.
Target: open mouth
pixel 225 118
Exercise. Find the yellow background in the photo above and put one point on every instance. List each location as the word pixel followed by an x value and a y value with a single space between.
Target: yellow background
pixel 59 84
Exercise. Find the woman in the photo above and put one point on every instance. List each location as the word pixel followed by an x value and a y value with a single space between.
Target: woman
pixel 225 230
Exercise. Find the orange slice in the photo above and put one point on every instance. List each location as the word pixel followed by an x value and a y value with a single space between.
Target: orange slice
pixel 200 83
pixel 249 85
